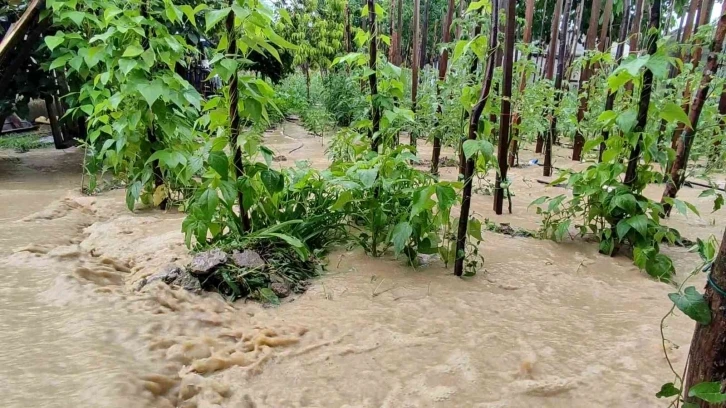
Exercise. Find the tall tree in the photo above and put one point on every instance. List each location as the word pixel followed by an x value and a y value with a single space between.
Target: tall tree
pixel 425 33
pixel 631 173
pixel 473 125
pixel 610 100
pixel 443 66
pixel 505 119
pixel 372 79
pixel 527 38
pixel 584 77
pixel 415 64
pixel 707 356
pixel 546 140
pixel 685 143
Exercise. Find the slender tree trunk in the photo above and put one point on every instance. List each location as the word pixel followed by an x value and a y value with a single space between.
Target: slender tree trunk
pixel 399 31
pixel 635 27
pixel 716 148
pixel 546 140
pixel 610 100
pixel 631 173
pixel 605 28
pixel 425 33
pixel 678 171
pixel 707 356
pixel 558 88
pixel 415 65
pixel 584 77
pixel 348 39
pixel 234 123
pixel 575 35
pixel 372 79
pixel 58 139
pixel 443 65
pixel 473 125
pixel 527 38
pixel 392 33
pixel 505 119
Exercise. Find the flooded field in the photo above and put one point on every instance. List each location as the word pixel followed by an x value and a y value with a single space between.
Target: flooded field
pixel 541 325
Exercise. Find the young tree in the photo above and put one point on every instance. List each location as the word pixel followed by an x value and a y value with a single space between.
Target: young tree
pixel 527 38
pixel 631 173
pixel 584 77
pixel 443 66
pixel 505 119
pixel 685 142
pixel 470 161
pixel 707 356
pixel 549 73
pixel 415 63
pixel 372 79
pixel 610 100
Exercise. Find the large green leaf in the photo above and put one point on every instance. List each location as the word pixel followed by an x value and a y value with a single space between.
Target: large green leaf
pixel 133 51
pixel 208 202
pixel 220 163
pixel 53 41
pixel 692 304
pixel 212 17
pixel 151 92
pixel 639 223
pixel 273 180
pixel 400 235
pixel 446 196
pixel 672 112
pixel 367 177
pixel 708 391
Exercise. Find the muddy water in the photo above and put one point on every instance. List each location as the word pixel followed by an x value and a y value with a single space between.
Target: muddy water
pixel 541 325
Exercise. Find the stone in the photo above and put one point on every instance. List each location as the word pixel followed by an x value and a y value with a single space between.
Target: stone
pixel 206 262
pixel 282 290
pixel 189 282
pixel 248 259
pixel 173 275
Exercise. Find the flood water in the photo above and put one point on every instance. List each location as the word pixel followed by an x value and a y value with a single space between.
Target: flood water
pixel 541 325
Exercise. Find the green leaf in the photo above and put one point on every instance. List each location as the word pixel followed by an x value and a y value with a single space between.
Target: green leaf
pixel 151 92
pixel 400 235
pixel 562 229
pixel 208 202
pixel 132 51
pixel 626 120
pixel 60 61
pixel 658 65
pixel 422 201
pixel 474 229
pixel 446 196
pixel 639 223
pixel 53 41
pixel 220 163
pixel 212 17
pixel 708 391
pixel 672 112
pixel 273 180
pixel 295 243
pixel 692 304
pixel 660 267
pixel 367 177
pixel 668 390
pixel 126 65
pixel 344 198
pixel 266 295
pixel 133 192
pixel 622 229
pixel 476 5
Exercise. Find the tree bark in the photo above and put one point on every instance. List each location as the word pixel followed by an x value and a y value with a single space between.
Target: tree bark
pixel 473 125
pixel 234 122
pixel 415 65
pixel 610 100
pixel 635 27
pixel 631 173
pixel 399 31
pixel 526 39
pixel 505 119
pixel 372 79
pixel 443 65
pixel 685 143
pixel 707 356
pixel 585 76
pixel 605 28
pixel 425 33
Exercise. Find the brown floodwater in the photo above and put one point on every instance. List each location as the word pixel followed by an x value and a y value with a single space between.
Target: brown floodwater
pixel 543 324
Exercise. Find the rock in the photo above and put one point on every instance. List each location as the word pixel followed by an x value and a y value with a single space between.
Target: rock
pixel 248 259
pixel 424 259
pixel 169 274
pixel 279 158
pixel 205 262
pixel 280 289
pixel 173 275
pixel 188 282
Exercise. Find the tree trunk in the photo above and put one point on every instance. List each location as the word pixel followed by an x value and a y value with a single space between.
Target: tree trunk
pixel 635 27
pixel 443 65
pixel 610 100
pixel 631 173
pixel 473 125
pixel 526 39
pixel 585 76
pixel 234 122
pixel 605 28
pixel 558 88
pixel 549 74
pixel 575 35
pixel 716 148
pixel 707 356
pixel 55 128
pixel 399 31
pixel 505 119
pixel 372 79
pixel 348 39
pixel 685 143
pixel 415 64
pixel 425 33
pixel 460 16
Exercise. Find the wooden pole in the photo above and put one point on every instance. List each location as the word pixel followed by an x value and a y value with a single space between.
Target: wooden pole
pixel 547 171
pixel 526 38
pixel 415 65
pixel 443 65
pixel 372 79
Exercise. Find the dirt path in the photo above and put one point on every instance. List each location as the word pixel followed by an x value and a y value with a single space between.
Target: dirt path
pixel 543 325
